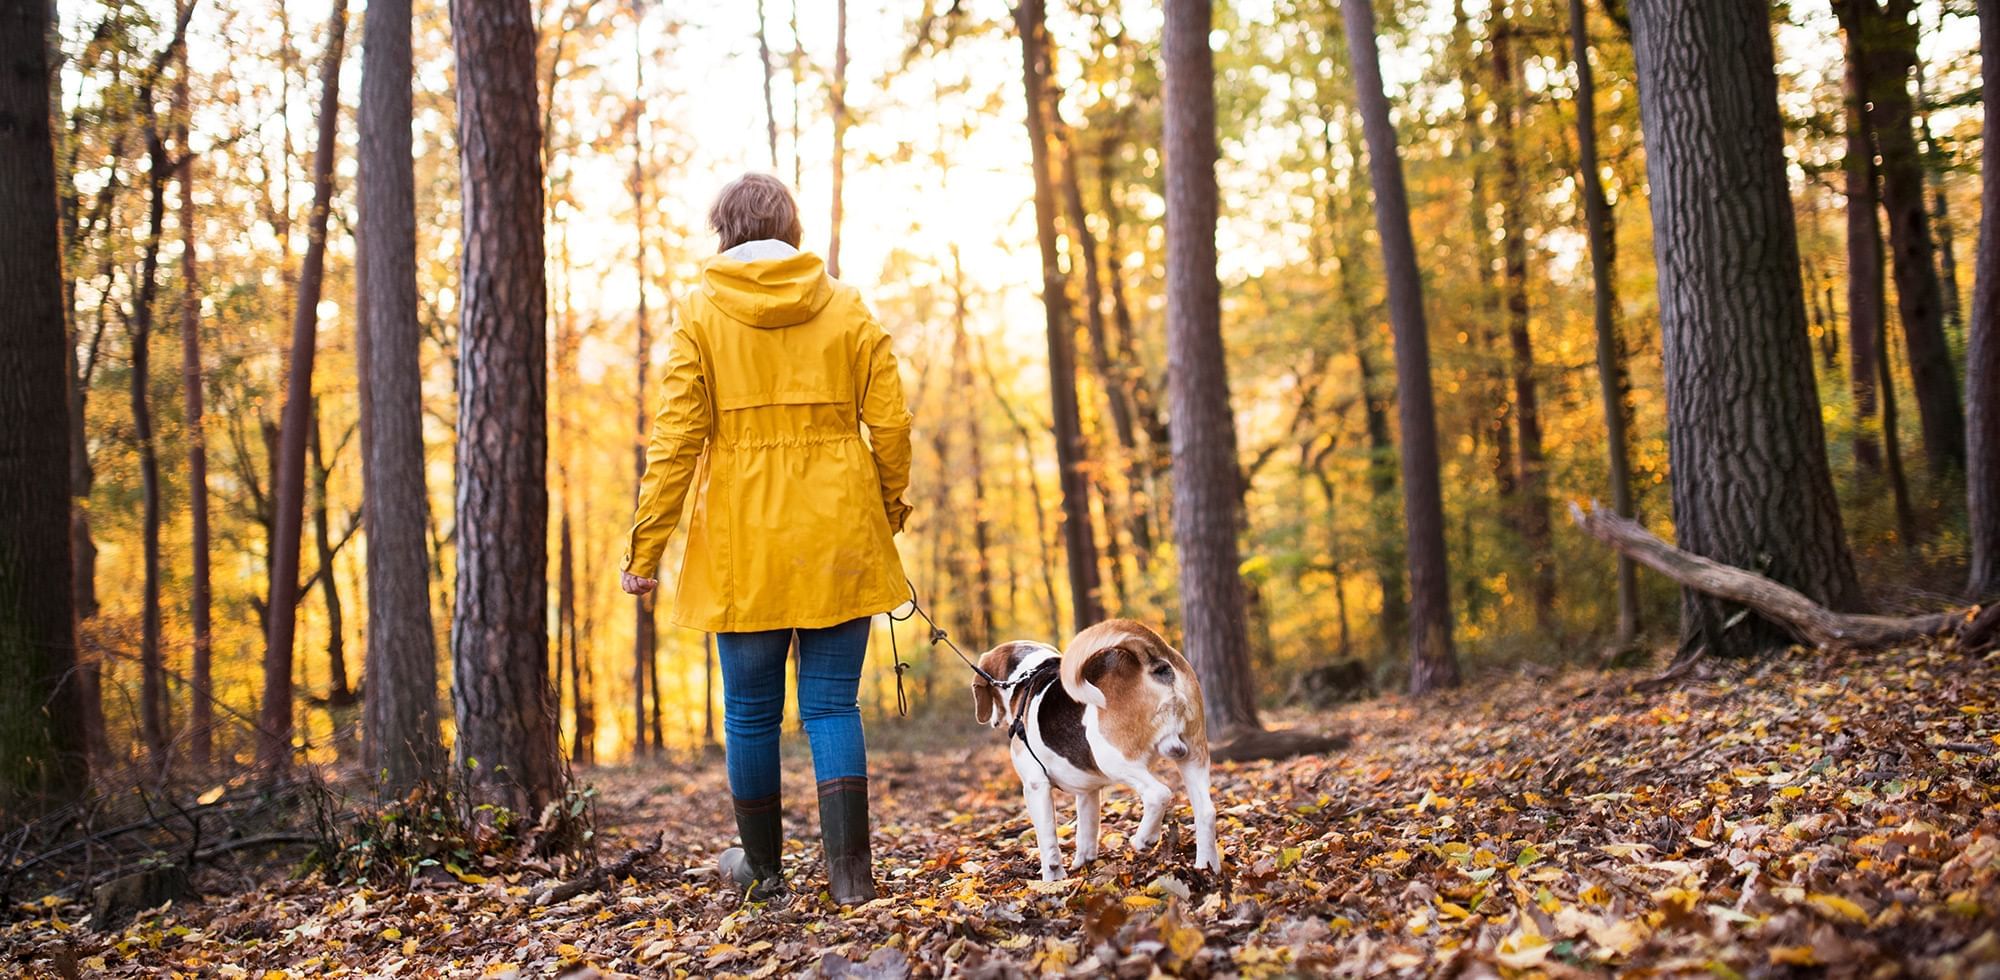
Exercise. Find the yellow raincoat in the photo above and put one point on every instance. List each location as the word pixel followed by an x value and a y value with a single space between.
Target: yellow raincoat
pixel 774 367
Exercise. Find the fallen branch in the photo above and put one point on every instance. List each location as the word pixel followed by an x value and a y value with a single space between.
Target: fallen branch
pixel 261 840
pixel 557 892
pixel 1264 743
pixel 1808 620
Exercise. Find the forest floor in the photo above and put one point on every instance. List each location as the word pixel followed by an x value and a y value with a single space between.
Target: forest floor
pixel 1794 815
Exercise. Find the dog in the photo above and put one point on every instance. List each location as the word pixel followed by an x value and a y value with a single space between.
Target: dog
pixel 1100 713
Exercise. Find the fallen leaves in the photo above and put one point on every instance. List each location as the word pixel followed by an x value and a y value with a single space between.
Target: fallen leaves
pixel 1796 813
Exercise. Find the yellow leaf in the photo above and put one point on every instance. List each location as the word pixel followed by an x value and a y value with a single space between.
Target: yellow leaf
pixel 1522 951
pixel 410 946
pixel 1289 856
pixel 1792 956
pixel 1835 907
pixel 1792 792
pixel 209 797
pixel 1141 902
pixel 392 934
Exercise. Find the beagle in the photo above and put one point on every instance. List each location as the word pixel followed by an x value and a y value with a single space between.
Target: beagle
pixel 1100 713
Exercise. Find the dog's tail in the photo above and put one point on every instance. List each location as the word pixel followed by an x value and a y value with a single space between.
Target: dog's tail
pixel 1114 645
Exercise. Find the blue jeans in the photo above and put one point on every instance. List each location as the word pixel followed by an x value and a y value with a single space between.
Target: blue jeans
pixel 753 702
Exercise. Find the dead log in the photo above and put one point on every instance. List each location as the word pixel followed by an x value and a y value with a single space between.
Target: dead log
pixel 1811 622
pixel 1256 744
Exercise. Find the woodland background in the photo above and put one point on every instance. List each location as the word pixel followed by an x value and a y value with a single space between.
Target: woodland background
pixel 647 108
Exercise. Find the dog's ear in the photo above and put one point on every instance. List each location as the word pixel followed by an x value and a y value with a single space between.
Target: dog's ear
pixel 985 703
pixel 988 706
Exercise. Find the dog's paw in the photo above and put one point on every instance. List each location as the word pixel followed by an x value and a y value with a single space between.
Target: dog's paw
pixel 1141 845
pixel 1080 859
pixel 1052 872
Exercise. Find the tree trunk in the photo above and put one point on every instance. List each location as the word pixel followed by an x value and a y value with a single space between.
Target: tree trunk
pixel 1036 506
pixel 583 744
pixel 42 738
pixel 1207 475
pixel 1433 659
pixel 153 672
pixel 274 744
pixel 507 736
pixel 1611 376
pixel 400 714
pixel 339 693
pixel 708 655
pixel 1071 456
pixel 839 95
pixel 1750 480
pixel 770 109
pixel 201 710
pixel 975 458
pixel 1866 307
pixel 645 623
pixel 153 709
pixel 1936 162
pixel 1982 357
pixel 1495 410
pixel 795 57
pixel 1117 395
pixel 1529 462
pixel 1387 557
pixel 1132 373
pixel 1886 43
pixel 1892 446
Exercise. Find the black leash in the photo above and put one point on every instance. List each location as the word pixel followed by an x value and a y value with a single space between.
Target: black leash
pixel 1017 730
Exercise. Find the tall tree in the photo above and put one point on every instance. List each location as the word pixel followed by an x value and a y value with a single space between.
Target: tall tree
pixel 500 687
pixel 645 627
pixel 1531 467
pixel 1750 480
pixel 770 108
pixel 1867 310
pixel 1866 305
pixel 41 714
pixel 1433 659
pixel 400 713
pixel 1611 376
pixel 1885 44
pixel 840 122
pixel 139 322
pixel 274 721
pixel 1207 474
pixel 319 470
pixel 1078 537
pixel 1111 378
pixel 1982 358
pixel 201 710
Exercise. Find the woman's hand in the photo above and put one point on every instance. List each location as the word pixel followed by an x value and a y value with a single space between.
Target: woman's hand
pixel 634 585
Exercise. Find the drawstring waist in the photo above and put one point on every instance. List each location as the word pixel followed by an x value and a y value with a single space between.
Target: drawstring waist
pixel 789 442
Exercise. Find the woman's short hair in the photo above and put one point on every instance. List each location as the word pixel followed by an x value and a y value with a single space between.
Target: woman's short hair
pixel 754 207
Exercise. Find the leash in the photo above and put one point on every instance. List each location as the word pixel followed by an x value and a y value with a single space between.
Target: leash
pixel 937 635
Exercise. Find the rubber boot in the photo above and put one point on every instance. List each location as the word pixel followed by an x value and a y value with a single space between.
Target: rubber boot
pixel 843 828
pixel 754 867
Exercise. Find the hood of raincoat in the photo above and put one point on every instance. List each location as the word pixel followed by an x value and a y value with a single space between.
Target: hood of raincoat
pixel 767 292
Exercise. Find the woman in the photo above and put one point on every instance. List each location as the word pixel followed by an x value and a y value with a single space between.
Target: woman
pixel 774 366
